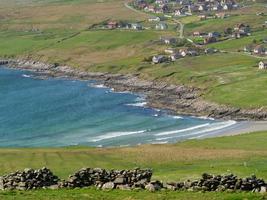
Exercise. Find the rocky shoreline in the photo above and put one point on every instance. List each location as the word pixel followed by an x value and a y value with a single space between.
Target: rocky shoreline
pixel 175 98
pixel 136 179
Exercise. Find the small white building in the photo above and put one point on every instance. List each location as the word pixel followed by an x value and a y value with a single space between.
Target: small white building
pixel 259 50
pixel 170 51
pixel 183 52
pixel 154 19
pixel 159 59
pixel 161 26
pixel 175 56
pixel 168 40
pixel 137 26
pixel 263 65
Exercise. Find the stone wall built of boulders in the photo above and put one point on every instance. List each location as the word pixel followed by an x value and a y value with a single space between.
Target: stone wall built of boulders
pixel 29 179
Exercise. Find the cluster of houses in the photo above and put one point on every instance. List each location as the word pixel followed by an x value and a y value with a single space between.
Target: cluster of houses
pixel 260 50
pixel 185 7
pixel 240 30
pixel 219 15
pixel 160 25
pixel 122 25
pixel 173 54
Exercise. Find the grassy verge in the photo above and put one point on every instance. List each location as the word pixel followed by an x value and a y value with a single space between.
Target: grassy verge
pixel 83 194
pixel 243 155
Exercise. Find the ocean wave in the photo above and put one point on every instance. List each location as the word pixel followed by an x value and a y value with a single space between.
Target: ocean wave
pixel 183 130
pixel 177 117
pixel 140 98
pixel 139 104
pixel 114 135
pixel 26 76
pixel 212 127
pixel 204 117
pixel 98 85
pixel 164 142
pixel 210 130
pixel 124 145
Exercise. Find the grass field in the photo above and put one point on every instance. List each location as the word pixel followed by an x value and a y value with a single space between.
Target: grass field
pixel 243 155
pixel 53 36
pixel 57 31
pixel 93 194
pixel 62 14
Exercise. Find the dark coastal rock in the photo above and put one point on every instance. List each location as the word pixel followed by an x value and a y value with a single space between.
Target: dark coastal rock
pixel 177 98
pixel 4 62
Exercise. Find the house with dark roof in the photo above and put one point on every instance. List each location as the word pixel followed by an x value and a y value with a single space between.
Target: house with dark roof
pixel 260 49
pixel 263 65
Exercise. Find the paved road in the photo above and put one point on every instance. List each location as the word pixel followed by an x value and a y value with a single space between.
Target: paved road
pixel 180 25
pixel 133 9
pixel 246 54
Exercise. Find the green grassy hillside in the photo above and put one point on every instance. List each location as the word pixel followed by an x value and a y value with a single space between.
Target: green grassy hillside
pixel 243 155
pixel 57 31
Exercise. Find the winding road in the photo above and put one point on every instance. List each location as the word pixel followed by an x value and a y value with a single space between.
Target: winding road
pixel 180 27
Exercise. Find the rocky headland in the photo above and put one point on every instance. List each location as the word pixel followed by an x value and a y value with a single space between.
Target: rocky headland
pixel 175 98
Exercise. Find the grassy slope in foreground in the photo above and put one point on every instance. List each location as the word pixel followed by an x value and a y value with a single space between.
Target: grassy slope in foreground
pixel 243 155
pixel 86 194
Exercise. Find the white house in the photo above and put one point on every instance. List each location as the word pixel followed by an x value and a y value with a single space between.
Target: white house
pixel 154 19
pixel 263 65
pixel 183 52
pixel 179 12
pixel 137 26
pixel 161 1
pixel 168 40
pixel 170 50
pixel 259 49
pixel 159 59
pixel 175 56
pixel 161 26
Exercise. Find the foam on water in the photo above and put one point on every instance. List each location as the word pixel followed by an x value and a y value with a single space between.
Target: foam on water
pixel 114 135
pixel 183 130
pixel 26 76
pixel 207 131
pixel 139 104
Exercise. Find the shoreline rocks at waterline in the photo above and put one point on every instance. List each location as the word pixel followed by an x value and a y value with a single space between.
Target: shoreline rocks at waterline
pixel 180 99
pixel 136 179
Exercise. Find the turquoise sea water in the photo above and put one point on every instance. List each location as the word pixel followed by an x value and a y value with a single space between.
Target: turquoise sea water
pixel 59 112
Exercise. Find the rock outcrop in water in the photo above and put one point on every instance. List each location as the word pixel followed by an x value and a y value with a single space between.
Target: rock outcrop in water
pixel 177 98
pixel 4 62
pixel 126 180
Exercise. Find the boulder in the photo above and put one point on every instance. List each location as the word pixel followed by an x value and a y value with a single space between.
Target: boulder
pixel 263 189
pixel 108 186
